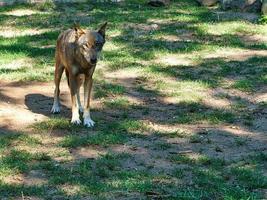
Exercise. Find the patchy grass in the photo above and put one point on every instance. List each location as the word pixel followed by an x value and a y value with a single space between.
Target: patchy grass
pixel 53 123
pixel 106 89
pixel 101 138
pixel 173 89
pixel 243 85
pixel 117 103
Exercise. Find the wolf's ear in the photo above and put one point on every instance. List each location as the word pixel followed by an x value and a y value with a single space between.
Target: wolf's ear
pixel 102 30
pixel 78 30
pixel 76 25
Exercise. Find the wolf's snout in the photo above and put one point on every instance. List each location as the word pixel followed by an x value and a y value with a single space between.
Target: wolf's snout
pixel 93 60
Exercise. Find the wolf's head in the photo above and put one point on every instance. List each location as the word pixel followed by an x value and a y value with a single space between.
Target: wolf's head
pixel 90 43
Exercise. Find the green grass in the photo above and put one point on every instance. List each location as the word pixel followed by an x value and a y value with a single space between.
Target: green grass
pixel 53 123
pixel 102 139
pixel 243 85
pixel 120 102
pixel 106 89
pixel 191 113
pixel 171 84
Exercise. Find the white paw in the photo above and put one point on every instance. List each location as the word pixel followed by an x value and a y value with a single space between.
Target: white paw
pixel 55 109
pixel 88 122
pixel 76 121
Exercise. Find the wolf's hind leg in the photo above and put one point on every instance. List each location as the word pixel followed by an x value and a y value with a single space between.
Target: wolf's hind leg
pixel 59 68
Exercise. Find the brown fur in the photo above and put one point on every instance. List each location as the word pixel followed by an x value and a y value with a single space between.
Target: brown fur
pixel 77 52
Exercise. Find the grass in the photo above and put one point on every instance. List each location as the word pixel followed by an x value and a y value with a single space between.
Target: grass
pixel 117 103
pixel 173 88
pixel 106 89
pixel 102 139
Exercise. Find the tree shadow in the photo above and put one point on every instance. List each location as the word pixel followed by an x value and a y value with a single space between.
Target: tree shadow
pixel 137 155
pixel 154 159
pixel 141 165
pixel 133 36
pixel 213 70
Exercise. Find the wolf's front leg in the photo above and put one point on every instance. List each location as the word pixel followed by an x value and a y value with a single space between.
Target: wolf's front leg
pixel 74 99
pixel 80 80
pixel 88 82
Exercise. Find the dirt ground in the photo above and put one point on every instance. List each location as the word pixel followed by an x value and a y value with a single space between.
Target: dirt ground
pixel 23 104
pixel 178 103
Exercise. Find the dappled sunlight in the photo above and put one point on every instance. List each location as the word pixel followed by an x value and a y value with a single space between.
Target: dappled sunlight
pixel 185 91
pixel 175 89
pixel 15 179
pixel 168 129
pixel 178 101
pixel 115 33
pixel 37 52
pixel 24 74
pixel 109 46
pixel 17 64
pixel 253 39
pixel 11 32
pixel 71 189
pixel 170 38
pixel 15 101
pixel 161 21
pixel 261 98
pixel 139 29
pixel 217 103
pixel 195 156
pixel 88 153
pixel 125 77
pixel 233 54
pixel 23 12
pixel 187 18
pixel 173 60
pixel 196 95
pixel 17 117
pixel 240 131
pixel 233 27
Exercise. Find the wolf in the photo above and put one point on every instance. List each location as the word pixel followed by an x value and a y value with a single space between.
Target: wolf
pixel 77 53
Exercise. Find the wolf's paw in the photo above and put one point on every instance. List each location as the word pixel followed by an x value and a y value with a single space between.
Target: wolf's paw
pixel 76 121
pixel 88 122
pixel 55 109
